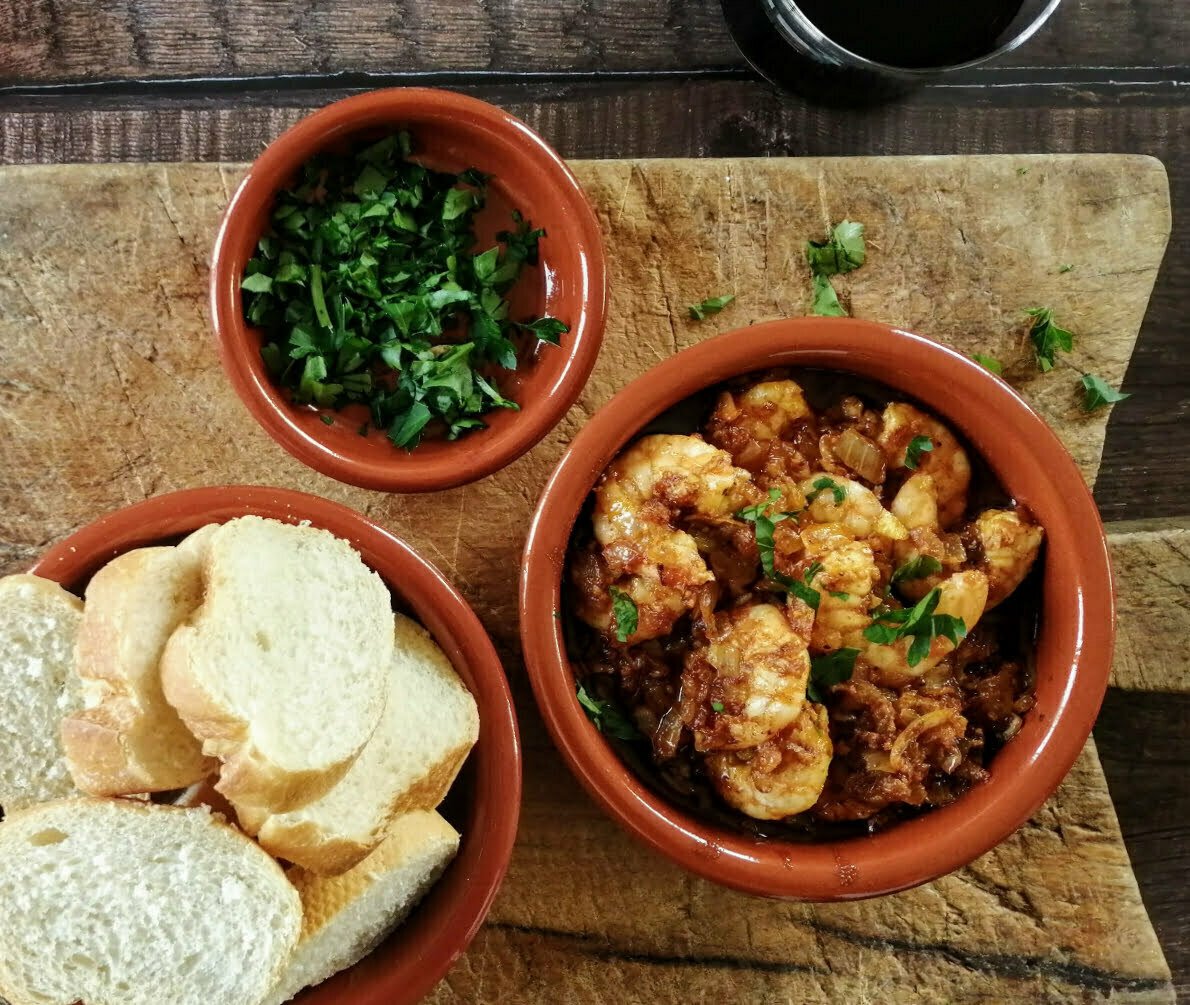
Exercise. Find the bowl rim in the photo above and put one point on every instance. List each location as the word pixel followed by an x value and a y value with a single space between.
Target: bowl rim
pixel 934 843
pixel 412 473
pixel 439 937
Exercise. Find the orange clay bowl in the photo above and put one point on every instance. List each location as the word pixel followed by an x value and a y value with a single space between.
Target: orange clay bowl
pixel 1073 650
pixel 484 802
pixel 451 132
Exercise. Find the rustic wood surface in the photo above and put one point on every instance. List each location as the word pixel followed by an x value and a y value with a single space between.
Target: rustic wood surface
pixel 99 80
pixel 111 261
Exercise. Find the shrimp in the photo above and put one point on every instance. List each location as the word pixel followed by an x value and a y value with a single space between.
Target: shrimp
pixel 781 777
pixel 963 595
pixel 916 506
pixel 846 578
pixel 946 462
pixel 637 503
pixel 767 429
pixel 759 667
pixel 1009 543
pixel 832 499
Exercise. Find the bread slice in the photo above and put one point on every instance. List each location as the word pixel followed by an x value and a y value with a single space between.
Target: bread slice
pixel 112 902
pixel 282 671
pixel 346 917
pixel 129 738
pixel 429 725
pixel 38 624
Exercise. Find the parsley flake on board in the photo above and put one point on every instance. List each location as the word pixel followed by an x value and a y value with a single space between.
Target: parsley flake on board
pixel 608 719
pixel 625 613
pixel 842 252
pixel 828 670
pixel 1048 338
pixel 1065 268
pixel 1098 393
pixel 918 623
pixel 917 446
pixel 826 301
pixel 712 305
pixel 989 363
pixel 369 289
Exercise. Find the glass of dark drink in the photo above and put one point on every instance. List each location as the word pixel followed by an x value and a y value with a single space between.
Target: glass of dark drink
pixel 859 51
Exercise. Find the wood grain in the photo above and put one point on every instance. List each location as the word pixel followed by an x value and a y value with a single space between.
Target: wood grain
pixel 46 41
pixel 108 264
pixel 1146 443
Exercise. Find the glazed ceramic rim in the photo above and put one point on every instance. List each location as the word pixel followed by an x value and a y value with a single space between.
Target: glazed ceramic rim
pixel 484 451
pixel 1073 655
pixel 456 907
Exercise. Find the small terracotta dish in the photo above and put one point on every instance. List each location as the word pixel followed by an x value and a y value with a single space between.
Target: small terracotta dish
pixel 451 132
pixel 484 802
pixel 1073 651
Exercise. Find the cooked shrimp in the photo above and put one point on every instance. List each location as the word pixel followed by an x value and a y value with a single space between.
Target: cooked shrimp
pixel 845 581
pixel 637 503
pixel 781 777
pixel 916 506
pixel 946 462
pixel 832 499
pixel 963 595
pixel 1009 542
pixel 767 429
pixel 760 667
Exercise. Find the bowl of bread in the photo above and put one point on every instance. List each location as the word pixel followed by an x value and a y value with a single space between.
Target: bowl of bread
pixel 249 741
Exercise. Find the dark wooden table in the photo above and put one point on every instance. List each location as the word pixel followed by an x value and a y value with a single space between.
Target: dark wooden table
pixel 99 80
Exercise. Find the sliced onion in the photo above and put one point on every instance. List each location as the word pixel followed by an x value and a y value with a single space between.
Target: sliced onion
pixel 668 735
pixel 861 455
pixel 922 724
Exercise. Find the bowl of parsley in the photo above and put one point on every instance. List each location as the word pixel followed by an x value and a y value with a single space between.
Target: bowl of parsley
pixel 408 289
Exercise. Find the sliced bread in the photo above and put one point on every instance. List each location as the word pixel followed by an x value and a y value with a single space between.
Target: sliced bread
pixel 112 902
pixel 429 725
pixel 346 917
pixel 129 738
pixel 282 671
pixel 38 624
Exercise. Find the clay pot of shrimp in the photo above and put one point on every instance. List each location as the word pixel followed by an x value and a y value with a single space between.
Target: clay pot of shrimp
pixel 818 609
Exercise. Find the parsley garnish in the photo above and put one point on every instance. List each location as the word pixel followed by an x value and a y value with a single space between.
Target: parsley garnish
pixel 765 522
pixel 829 669
pixel 917 446
pixel 842 252
pixel 712 305
pixel 1048 338
pixel 368 289
pixel 839 594
pixel 717 706
pixel 1098 393
pixel 1022 170
pixel 625 613
pixel 327 420
pixel 608 719
pixel 825 484
pixel 989 363
pixel 918 623
pixel 1065 268
pixel 917 567
pixel 801 588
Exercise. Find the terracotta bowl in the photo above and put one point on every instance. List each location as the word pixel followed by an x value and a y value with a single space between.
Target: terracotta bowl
pixel 1073 652
pixel 451 132
pixel 483 804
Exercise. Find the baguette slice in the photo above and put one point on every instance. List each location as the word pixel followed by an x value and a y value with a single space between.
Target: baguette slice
pixel 39 622
pixel 129 738
pixel 112 902
pixel 282 671
pixel 346 917
pixel 429 725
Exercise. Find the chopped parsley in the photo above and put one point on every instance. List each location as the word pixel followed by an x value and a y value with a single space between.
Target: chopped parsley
pixel 825 484
pixel 918 567
pixel 327 420
pixel 989 363
pixel 1048 338
pixel 764 519
pixel 717 706
pixel 1065 268
pixel 1098 393
pixel 608 719
pixel 917 446
pixel 828 670
pixel 842 252
pixel 712 305
pixel 918 623
pixel 368 289
pixel 801 588
pixel 839 594
pixel 625 614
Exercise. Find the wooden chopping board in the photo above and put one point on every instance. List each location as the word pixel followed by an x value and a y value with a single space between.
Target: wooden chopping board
pixel 110 391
